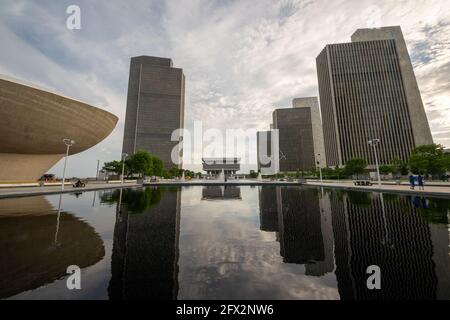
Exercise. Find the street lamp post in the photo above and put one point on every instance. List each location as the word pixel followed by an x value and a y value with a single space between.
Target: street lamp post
pixel 320 169
pixel 124 156
pixel 373 143
pixel 68 143
pixel 98 168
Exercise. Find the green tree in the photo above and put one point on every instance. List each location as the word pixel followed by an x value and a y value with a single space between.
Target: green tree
pixel 158 166
pixel 428 159
pixel 339 172
pixel 446 161
pixel 113 166
pixel 189 173
pixel 385 169
pixel 253 174
pixel 140 163
pixel 355 166
pixel 399 167
pixel 174 172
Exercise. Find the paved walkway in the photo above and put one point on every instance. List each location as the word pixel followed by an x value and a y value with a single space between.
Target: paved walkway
pixel 35 191
pixel 437 189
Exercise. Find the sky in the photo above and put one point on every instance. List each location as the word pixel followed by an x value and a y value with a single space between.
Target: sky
pixel 242 59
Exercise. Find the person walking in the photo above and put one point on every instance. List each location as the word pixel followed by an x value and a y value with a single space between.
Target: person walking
pixel 420 180
pixel 412 182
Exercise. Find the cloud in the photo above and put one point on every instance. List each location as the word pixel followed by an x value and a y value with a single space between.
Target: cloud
pixel 242 59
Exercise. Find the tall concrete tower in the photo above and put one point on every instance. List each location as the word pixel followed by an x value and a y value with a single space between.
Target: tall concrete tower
pixel 312 104
pixel 268 151
pixel 155 109
pixel 368 90
pixel 300 135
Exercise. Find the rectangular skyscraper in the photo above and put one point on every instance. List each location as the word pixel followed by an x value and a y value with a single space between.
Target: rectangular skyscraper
pixel 268 152
pixel 296 143
pixel 155 108
pixel 368 90
pixel 312 104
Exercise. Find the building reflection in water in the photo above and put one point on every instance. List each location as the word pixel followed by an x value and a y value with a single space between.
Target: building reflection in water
pixel 221 193
pixel 346 232
pixel 38 243
pixel 302 221
pixel 145 250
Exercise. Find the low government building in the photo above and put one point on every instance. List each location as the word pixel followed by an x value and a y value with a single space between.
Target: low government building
pixel 33 124
pixel 215 166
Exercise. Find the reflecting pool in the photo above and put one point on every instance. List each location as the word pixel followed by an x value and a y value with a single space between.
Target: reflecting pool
pixel 225 243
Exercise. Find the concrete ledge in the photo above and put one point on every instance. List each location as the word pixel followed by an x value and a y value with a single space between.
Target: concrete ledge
pixel 223 183
pixel 18 185
pixel 439 192
pixel 432 191
pixel 39 191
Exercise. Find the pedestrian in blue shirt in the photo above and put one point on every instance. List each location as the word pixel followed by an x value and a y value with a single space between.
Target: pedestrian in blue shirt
pixel 420 180
pixel 412 182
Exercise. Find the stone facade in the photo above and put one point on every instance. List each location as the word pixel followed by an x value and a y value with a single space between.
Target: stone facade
pixel 268 151
pixel 368 90
pixel 312 103
pixel 296 143
pixel 155 109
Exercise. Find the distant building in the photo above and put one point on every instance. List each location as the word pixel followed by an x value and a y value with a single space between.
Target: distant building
pixel 155 108
pixel 215 166
pixel 312 104
pixel 296 140
pixel 268 152
pixel 368 90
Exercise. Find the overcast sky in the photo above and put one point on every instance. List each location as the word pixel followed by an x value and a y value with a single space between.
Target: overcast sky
pixel 242 59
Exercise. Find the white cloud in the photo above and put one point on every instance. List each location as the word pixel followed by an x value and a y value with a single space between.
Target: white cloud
pixel 241 58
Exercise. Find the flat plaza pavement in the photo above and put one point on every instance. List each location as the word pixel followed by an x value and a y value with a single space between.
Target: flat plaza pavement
pixel 440 189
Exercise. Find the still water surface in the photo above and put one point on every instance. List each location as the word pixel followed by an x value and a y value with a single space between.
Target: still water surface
pixel 225 243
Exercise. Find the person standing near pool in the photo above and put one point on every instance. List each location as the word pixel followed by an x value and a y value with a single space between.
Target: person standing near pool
pixel 412 182
pixel 420 180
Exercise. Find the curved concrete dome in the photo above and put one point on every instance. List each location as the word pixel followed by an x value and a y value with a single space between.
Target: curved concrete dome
pixel 33 123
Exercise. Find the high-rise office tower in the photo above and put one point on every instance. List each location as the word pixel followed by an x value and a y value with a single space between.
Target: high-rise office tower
pixel 368 90
pixel 268 152
pixel 299 142
pixel 155 109
pixel 312 104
